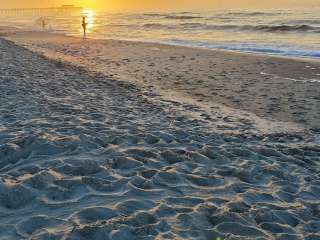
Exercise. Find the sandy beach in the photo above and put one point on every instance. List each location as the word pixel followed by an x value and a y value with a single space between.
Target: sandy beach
pixel 284 89
pixel 106 139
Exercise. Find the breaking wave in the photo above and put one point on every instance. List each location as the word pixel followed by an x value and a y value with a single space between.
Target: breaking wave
pixel 228 27
pixel 262 28
pixel 284 28
pixel 183 17
pixel 180 16
pixel 253 13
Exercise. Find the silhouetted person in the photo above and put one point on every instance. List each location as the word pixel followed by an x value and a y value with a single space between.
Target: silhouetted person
pixel 44 24
pixel 84 26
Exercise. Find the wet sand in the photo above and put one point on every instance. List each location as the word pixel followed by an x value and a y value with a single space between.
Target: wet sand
pixel 101 153
pixel 284 89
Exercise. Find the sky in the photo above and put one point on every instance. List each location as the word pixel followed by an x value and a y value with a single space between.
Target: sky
pixel 163 4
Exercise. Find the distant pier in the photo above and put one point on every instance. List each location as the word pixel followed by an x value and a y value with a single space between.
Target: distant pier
pixel 65 9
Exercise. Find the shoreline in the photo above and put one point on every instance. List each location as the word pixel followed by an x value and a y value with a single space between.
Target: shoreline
pixel 262 54
pixel 297 58
pixel 196 73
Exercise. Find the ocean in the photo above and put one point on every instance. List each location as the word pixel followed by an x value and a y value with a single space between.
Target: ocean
pixel 278 32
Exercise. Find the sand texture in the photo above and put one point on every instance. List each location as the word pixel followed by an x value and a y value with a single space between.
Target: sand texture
pixel 284 89
pixel 84 155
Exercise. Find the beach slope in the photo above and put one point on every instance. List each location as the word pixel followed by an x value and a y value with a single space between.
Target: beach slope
pixel 84 155
pixel 284 89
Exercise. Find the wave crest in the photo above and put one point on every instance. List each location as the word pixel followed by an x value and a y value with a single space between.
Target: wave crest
pixel 262 28
pixel 180 16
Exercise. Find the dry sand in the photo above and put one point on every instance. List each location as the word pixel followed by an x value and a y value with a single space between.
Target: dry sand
pixel 102 153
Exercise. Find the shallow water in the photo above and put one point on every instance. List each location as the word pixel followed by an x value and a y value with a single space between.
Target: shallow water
pixel 280 32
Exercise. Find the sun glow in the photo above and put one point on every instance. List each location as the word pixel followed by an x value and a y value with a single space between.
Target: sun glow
pixel 90 19
pixel 141 5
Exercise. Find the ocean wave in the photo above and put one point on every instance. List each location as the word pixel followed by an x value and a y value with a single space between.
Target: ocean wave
pixel 156 26
pixel 292 51
pixel 180 16
pixel 286 28
pixel 253 13
pixel 115 25
pixel 196 26
pixel 271 50
pixel 153 14
pixel 260 28
pixel 192 15
pixel 305 22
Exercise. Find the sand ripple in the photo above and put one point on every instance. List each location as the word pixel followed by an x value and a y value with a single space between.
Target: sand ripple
pixel 85 157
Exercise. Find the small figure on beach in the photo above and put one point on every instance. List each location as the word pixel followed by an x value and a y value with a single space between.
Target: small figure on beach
pixel 44 24
pixel 84 27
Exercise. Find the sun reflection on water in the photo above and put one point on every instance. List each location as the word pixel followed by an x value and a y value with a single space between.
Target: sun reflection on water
pixel 90 19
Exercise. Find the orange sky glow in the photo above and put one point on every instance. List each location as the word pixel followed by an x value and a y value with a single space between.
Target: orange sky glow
pixel 163 4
